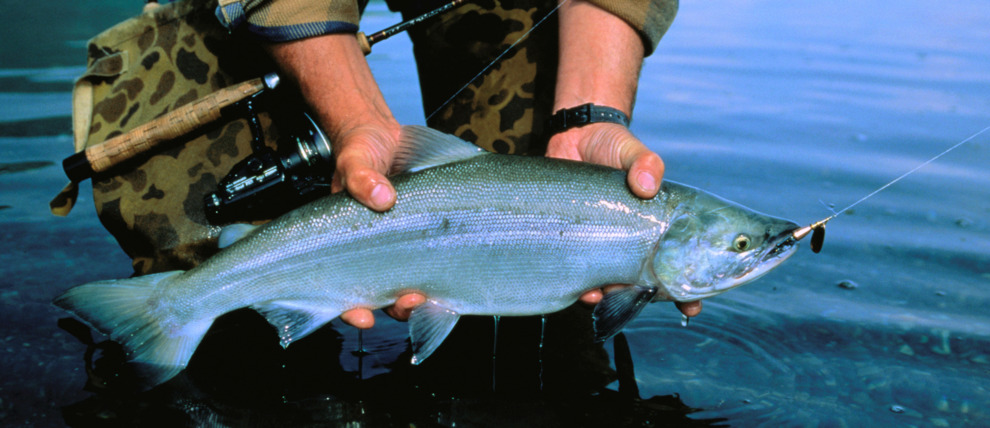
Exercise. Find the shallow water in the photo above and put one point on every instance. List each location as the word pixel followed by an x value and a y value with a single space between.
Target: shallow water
pixel 786 107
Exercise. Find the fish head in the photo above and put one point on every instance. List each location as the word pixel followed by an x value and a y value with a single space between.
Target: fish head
pixel 713 245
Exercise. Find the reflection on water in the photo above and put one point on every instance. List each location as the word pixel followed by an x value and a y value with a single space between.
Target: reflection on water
pixel 309 385
pixel 787 107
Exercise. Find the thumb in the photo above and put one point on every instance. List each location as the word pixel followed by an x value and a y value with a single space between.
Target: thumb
pixel 363 179
pixel 616 146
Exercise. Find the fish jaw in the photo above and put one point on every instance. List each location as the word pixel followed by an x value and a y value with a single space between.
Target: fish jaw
pixel 713 245
pixel 784 246
pixel 747 269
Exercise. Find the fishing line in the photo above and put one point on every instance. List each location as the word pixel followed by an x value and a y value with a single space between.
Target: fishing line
pixel 496 60
pixel 971 137
pixel 819 227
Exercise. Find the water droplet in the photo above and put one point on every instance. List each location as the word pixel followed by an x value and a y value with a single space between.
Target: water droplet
pixel 684 320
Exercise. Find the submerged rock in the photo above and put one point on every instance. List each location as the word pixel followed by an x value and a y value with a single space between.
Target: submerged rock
pixel 848 284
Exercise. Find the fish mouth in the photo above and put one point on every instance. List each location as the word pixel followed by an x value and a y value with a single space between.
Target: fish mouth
pixel 781 248
pixel 778 249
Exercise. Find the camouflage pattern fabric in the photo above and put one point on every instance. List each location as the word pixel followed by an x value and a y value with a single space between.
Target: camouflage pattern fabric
pixel 502 110
pixel 177 53
pixel 284 20
pixel 506 108
pixel 158 61
pixel 137 71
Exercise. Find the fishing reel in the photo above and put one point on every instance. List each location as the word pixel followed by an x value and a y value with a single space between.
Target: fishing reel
pixel 270 182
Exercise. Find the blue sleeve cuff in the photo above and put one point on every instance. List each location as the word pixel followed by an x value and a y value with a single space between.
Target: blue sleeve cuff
pixel 231 16
pixel 285 33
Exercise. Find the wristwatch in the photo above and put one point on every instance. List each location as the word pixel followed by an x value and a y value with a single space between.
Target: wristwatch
pixel 584 114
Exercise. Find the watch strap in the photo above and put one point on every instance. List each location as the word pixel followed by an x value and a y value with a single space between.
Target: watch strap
pixel 584 114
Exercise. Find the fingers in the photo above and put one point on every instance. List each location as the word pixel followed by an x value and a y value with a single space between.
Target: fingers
pixel 592 297
pixel 404 306
pixel 363 158
pixel 361 318
pixel 612 145
pixel 689 309
pixel 645 174
pixel 364 183
pixel 645 168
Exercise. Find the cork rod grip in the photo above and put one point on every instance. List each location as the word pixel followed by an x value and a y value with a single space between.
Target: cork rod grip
pixel 181 121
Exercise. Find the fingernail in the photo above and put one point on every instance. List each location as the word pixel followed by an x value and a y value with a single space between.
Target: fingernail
pixel 380 195
pixel 646 181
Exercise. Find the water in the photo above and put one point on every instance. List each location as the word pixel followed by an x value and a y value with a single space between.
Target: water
pixel 782 106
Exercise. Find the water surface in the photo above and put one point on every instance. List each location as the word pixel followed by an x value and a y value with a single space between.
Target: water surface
pixel 786 107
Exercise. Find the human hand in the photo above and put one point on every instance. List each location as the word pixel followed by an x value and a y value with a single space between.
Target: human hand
pixel 364 318
pixel 611 145
pixel 614 145
pixel 333 76
pixel 364 156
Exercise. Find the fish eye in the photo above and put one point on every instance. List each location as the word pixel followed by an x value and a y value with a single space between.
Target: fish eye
pixel 741 243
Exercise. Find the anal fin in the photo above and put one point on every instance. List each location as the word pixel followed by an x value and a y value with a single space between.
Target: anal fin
pixel 618 308
pixel 294 321
pixel 429 325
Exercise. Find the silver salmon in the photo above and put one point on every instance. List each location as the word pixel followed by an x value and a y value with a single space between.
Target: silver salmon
pixel 477 233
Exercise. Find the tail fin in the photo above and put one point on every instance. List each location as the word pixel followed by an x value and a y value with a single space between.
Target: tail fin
pixel 120 308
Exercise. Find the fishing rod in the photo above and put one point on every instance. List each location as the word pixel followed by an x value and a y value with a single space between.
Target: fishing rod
pixel 366 41
pixel 183 120
pixel 817 229
pixel 101 157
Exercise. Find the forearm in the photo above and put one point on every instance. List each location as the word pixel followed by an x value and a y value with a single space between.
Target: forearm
pixel 337 83
pixel 600 58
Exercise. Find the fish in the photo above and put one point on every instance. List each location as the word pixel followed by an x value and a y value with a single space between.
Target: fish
pixel 477 233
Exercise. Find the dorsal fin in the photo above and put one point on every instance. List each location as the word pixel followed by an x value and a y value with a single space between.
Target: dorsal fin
pixel 421 147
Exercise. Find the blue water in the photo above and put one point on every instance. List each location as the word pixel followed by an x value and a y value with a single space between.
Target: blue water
pixel 787 107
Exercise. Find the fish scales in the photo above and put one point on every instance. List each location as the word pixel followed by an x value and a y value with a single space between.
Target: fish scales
pixel 476 233
pixel 569 227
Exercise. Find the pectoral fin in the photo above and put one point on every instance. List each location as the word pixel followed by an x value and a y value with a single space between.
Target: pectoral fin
pixel 233 233
pixel 429 325
pixel 294 321
pixel 618 308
